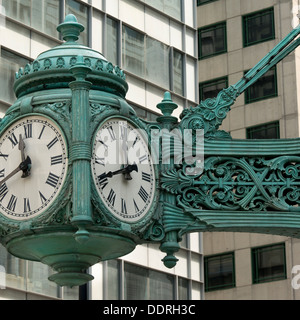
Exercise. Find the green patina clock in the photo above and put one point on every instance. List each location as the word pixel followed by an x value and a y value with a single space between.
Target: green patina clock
pixel 79 185
pixel 123 170
pixel 33 166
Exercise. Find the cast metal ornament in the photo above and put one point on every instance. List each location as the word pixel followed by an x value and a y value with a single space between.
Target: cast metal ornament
pixel 83 179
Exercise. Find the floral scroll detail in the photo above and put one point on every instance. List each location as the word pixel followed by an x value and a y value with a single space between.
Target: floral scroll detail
pixel 209 114
pixel 245 184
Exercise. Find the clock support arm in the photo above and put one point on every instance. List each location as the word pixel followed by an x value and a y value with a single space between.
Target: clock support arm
pixel 210 113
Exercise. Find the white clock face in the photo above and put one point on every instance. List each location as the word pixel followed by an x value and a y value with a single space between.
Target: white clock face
pixel 122 170
pixel 33 166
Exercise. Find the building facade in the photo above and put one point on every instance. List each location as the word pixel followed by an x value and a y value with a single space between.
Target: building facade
pixel 154 42
pixel 233 36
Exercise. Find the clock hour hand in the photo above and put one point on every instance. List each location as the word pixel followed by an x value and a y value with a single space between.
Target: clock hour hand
pixel 125 171
pixel 23 166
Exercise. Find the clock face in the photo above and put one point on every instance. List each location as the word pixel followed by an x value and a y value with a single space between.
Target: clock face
pixel 33 166
pixel 122 170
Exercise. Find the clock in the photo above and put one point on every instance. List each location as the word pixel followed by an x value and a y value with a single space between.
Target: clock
pixel 123 170
pixel 33 166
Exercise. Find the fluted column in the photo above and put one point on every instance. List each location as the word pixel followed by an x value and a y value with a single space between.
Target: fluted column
pixel 80 151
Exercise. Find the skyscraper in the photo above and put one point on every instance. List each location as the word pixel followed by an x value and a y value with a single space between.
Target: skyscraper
pixel 233 36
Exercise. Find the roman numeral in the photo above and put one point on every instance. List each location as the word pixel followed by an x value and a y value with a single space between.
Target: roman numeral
pixel 3 191
pixel 123 206
pixel 28 130
pixel 146 177
pixel 42 197
pixel 13 140
pixel 12 203
pixel 4 156
pixel 136 208
pixel 26 205
pixel 143 158
pixel 104 144
pixel 143 194
pixel 100 161
pixel 102 181
pixel 41 133
pixel 123 132
pixel 111 133
pixel 111 197
pixel 2 173
pixel 135 141
pixel 56 160
pixel 52 143
pixel 52 180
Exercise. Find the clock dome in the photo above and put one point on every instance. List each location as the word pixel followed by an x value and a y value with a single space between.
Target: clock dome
pixel 51 69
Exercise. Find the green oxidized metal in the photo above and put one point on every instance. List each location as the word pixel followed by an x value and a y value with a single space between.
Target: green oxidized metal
pixel 244 186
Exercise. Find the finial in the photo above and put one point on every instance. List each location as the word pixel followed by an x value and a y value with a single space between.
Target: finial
pixel 70 28
pixel 167 106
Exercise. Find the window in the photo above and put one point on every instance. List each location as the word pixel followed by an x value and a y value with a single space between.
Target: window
pixel 81 13
pixel 171 8
pixel 41 15
pixel 112 277
pixel 157 62
pixel 45 16
pixel 210 89
pixel 219 272
pixel 258 27
pixel 212 40
pixel 265 87
pixel 177 72
pixel 268 263
pixel 144 284
pixel 112 40
pixel 133 51
pixel 183 289
pixel 18 9
pixel 149 58
pixel 9 65
pixel 265 131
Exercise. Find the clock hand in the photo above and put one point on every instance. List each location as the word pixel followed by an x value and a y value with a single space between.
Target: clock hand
pixel 127 169
pixel 22 147
pixel 127 175
pixel 24 166
pixel 26 171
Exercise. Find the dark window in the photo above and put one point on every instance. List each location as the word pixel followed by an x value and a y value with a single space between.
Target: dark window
pixel 258 27
pixel 219 272
pixel 265 87
pixel 212 40
pixel 264 131
pixel 268 263
pixel 210 89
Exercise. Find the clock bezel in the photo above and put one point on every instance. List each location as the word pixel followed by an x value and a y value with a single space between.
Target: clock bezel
pixel 63 193
pixel 99 205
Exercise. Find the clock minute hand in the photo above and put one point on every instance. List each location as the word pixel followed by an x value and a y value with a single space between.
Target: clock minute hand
pixel 22 147
pixel 26 171
pixel 127 169
pixel 23 166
